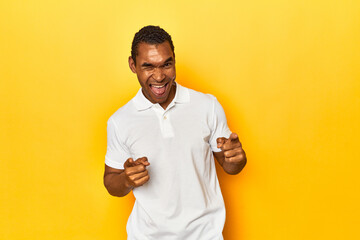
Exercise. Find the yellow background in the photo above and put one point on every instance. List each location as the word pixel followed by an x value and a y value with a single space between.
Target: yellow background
pixel 286 72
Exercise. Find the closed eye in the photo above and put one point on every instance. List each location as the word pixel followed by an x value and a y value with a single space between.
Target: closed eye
pixel 147 66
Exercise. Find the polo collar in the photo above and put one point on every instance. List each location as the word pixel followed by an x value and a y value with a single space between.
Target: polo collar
pixel 142 103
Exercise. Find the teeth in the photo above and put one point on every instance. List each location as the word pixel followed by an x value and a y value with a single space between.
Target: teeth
pixel 158 86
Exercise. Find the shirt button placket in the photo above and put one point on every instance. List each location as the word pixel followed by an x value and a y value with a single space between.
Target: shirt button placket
pixel 168 131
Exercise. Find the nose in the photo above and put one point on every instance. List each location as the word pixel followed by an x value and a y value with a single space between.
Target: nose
pixel 158 75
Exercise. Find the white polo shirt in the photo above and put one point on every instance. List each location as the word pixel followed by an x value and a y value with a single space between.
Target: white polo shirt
pixel 182 199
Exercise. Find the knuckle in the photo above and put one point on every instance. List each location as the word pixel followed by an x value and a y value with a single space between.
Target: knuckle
pixel 233 160
pixel 238 159
pixel 239 151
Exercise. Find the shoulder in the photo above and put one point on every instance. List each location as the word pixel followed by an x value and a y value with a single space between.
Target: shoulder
pixel 201 98
pixel 205 102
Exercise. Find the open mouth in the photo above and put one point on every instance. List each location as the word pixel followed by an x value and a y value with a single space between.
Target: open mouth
pixel 159 90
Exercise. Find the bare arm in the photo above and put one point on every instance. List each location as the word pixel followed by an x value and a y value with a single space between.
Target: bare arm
pixel 119 182
pixel 115 182
pixel 232 157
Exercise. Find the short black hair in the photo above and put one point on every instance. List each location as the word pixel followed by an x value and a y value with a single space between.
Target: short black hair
pixel 151 35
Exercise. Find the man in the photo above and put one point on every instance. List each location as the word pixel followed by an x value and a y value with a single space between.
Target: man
pixel 161 145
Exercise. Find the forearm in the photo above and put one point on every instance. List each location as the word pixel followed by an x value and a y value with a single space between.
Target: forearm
pixel 116 184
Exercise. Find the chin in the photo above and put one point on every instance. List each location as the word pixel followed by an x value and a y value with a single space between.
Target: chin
pixel 161 100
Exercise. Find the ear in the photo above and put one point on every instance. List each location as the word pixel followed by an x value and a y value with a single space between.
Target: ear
pixel 132 65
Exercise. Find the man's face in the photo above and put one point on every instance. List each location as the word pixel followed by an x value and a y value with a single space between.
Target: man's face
pixel 155 70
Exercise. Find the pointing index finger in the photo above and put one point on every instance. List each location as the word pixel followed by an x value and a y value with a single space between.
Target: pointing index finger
pixel 232 142
pixel 129 163
pixel 234 137
pixel 144 161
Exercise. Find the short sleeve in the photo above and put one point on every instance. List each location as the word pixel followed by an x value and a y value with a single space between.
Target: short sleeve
pixel 116 153
pixel 219 125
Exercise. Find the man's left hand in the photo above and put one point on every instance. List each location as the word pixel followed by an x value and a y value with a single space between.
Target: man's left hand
pixel 232 149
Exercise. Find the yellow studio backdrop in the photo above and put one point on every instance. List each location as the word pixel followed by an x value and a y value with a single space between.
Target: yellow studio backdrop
pixel 286 72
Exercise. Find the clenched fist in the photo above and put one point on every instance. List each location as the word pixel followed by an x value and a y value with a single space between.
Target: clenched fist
pixel 135 172
pixel 232 149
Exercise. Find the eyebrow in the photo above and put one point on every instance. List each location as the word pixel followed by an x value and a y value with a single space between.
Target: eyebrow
pixel 146 64
pixel 168 60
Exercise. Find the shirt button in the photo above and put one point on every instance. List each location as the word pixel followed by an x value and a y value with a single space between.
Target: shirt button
pixel 165 117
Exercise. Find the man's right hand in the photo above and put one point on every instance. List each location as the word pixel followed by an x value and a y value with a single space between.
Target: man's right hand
pixel 135 172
